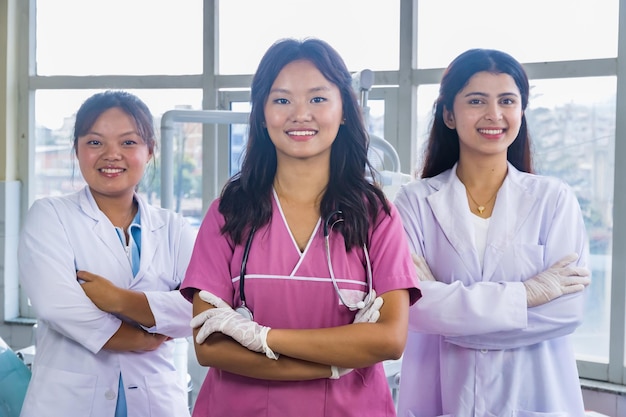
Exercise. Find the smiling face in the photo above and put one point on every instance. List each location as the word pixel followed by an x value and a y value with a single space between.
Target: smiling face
pixel 487 114
pixel 112 155
pixel 303 112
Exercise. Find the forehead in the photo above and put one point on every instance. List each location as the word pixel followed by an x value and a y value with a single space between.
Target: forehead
pixel 300 75
pixel 113 119
pixel 490 83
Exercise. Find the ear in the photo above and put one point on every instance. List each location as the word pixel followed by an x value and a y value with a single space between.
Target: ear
pixel 448 118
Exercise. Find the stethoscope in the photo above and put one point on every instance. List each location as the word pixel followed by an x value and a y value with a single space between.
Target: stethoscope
pixel 328 226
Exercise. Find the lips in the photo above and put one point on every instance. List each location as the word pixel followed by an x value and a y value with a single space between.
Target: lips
pixel 111 170
pixel 491 131
pixel 301 132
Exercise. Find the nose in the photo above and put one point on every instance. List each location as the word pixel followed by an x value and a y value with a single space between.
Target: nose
pixel 111 152
pixel 493 112
pixel 302 112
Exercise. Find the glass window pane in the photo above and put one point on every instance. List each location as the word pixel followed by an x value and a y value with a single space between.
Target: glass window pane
pixel 364 32
pixel 56 168
pixel 572 123
pixel 530 30
pixel 572 126
pixel 108 37
pixel 238 138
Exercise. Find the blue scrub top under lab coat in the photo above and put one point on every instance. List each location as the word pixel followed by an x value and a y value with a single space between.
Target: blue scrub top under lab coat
pixel 72 374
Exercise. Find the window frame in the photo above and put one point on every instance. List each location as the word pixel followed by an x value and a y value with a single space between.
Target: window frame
pixel 397 88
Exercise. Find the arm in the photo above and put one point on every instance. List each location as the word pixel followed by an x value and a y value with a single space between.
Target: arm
pixel 562 315
pixel 131 338
pixel 458 310
pixel 165 312
pixel 463 307
pixel 47 273
pixel 353 345
pixel 222 352
pixel 107 297
pixel 350 346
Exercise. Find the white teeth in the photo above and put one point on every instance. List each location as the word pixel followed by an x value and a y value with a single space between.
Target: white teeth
pixel 302 133
pixel 491 131
pixel 111 170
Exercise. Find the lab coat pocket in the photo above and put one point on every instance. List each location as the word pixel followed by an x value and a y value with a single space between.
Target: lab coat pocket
pixel 523 413
pixel 167 394
pixel 55 392
pixel 521 258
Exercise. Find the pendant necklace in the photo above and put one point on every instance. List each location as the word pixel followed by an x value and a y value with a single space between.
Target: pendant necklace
pixel 480 207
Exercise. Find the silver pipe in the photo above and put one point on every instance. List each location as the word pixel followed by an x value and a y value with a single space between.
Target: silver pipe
pixel 167 140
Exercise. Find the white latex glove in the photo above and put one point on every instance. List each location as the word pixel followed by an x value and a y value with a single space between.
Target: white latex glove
pixel 227 321
pixel 212 299
pixel 558 280
pixel 370 313
pixel 423 271
pixel 336 372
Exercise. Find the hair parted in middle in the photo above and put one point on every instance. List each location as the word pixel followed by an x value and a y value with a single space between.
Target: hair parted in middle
pixel 246 199
pixel 443 143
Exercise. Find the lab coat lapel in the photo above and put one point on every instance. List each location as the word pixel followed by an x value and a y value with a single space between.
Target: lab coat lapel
pixel 103 228
pixel 512 208
pixel 150 229
pixel 449 205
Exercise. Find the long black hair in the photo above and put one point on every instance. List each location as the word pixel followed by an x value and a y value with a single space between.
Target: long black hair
pixel 443 143
pixel 246 200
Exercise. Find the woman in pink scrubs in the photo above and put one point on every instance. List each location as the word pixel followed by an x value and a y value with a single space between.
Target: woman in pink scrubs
pixel 317 341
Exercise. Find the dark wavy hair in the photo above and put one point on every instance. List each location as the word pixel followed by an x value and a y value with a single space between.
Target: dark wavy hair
pixel 246 199
pixel 443 143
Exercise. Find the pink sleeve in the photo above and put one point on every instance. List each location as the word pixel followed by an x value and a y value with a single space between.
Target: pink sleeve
pixel 209 268
pixel 392 266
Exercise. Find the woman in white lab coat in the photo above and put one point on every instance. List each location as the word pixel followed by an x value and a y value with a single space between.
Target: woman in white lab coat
pixel 502 256
pixel 102 268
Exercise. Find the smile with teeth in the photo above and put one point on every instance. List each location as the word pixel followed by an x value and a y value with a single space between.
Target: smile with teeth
pixel 491 131
pixel 111 170
pixel 302 133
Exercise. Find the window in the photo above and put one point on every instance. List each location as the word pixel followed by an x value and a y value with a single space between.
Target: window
pixel 530 30
pixel 138 37
pixel 155 48
pixel 364 32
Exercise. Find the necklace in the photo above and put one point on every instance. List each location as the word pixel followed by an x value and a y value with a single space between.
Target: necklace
pixel 480 207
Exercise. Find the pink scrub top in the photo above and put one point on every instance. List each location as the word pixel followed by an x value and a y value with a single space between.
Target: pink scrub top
pixel 286 288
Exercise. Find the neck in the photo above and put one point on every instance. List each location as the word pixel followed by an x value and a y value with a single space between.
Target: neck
pixel 485 175
pixel 119 211
pixel 301 184
pixel 482 182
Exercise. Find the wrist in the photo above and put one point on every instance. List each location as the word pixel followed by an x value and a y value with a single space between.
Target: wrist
pixel 268 351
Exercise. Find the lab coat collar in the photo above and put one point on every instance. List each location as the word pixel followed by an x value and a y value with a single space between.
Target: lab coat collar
pixel 105 230
pixel 511 210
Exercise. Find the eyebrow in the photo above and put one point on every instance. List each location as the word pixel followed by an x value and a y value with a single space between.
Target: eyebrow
pixel 312 90
pixel 477 93
pixel 95 133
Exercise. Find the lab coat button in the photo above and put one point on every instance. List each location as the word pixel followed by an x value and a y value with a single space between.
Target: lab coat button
pixel 110 395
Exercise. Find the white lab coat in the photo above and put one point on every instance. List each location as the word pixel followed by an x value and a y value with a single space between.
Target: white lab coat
pixel 72 374
pixel 474 348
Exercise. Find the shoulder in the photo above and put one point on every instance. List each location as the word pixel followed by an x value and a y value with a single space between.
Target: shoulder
pixel 415 193
pixel 69 202
pixel 159 218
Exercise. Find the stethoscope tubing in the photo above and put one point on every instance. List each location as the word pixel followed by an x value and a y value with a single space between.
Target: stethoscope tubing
pixel 327 228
